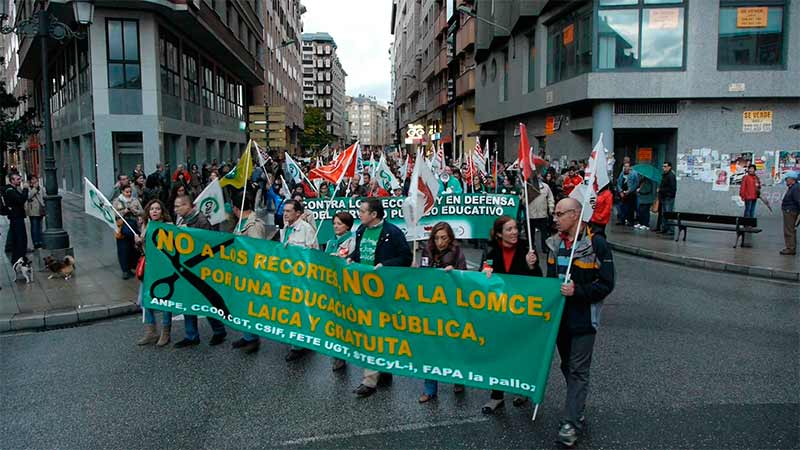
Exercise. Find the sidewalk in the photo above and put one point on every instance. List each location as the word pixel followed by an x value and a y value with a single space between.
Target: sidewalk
pixel 714 250
pixel 96 291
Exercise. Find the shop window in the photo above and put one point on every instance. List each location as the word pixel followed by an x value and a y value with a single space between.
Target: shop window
pixel 751 35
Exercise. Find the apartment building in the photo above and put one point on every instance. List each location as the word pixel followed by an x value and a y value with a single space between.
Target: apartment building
pixel 368 122
pixel 324 82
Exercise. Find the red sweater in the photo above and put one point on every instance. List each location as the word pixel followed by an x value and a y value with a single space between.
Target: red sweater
pixel 571 182
pixel 602 209
pixel 750 186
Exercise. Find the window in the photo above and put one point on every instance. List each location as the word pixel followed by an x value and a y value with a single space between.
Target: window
pixel 645 34
pixel 221 89
pixel 170 66
pixel 83 65
pixel 231 98
pixel 751 35
pixel 208 86
pixel 569 43
pixel 531 62
pixel 122 39
pixel 191 82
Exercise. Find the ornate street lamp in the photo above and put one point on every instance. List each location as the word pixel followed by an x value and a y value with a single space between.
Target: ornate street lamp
pixel 43 25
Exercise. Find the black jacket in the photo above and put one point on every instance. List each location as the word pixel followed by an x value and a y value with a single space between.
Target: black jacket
pixel 452 256
pixel 668 187
pixel 15 201
pixel 593 275
pixel 392 248
pixel 519 266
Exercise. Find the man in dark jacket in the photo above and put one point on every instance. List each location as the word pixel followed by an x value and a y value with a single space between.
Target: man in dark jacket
pixel 790 206
pixel 590 280
pixel 378 243
pixel 16 197
pixel 666 197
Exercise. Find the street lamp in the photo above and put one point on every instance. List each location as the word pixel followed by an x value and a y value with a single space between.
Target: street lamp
pixel 43 25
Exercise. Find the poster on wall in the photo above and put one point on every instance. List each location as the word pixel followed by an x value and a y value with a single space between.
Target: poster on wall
pixel 722 181
pixel 786 161
pixel 738 166
pixel 681 166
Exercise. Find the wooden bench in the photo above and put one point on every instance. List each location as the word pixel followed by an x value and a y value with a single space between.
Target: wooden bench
pixel 741 225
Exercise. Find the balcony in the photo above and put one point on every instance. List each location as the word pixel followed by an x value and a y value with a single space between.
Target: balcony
pixel 429 69
pixel 465 37
pixel 465 84
pixel 441 60
pixel 441 23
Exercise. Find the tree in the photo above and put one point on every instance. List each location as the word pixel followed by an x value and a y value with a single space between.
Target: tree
pixel 14 129
pixel 315 131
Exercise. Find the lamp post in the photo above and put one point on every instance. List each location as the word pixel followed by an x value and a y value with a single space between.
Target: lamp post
pixel 44 26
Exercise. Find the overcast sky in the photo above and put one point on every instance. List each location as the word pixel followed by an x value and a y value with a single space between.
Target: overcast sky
pixel 361 31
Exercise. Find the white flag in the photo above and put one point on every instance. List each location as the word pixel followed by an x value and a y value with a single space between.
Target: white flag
pixel 422 193
pixel 211 203
pixel 293 170
pixel 404 170
pixel 97 205
pixel 385 177
pixel 263 156
pixel 596 178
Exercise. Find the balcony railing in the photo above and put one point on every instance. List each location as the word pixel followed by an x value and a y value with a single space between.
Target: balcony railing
pixel 441 23
pixel 441 60
pixel 465 37
pixel 465 84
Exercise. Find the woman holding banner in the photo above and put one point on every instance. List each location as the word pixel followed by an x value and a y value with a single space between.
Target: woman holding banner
pixel 507 254
pixel 441 252
pixel 155 210
pixel 342 244
pixel 128 207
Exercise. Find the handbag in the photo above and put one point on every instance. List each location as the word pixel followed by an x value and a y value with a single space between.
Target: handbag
pixel 140 268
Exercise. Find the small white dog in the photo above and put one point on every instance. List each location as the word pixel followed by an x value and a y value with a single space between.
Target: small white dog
pixel 24 266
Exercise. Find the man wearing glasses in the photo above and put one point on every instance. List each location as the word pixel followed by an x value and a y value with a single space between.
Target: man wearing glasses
pixel 591 279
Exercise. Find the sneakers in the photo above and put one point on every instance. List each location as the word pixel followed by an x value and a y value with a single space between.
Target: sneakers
pixel 567 435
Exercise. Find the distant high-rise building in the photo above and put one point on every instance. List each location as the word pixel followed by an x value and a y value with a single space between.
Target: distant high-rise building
pixel 369 121
pixel 324 82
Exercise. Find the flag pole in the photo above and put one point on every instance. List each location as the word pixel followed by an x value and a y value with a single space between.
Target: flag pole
pixel 527 213
pixel 86 180
pixel 244 191
pixel 591 180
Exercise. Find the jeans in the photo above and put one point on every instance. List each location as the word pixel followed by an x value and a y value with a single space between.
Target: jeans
pixel 644 214
pixel 36 230
pixel 576 358
pixel 150 317
pixel 192 333
pixel 627 206
pixel 750 208
pixel 18 236
pixel 665 205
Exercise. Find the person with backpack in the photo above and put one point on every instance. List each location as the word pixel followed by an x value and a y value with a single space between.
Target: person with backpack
pixel 590 281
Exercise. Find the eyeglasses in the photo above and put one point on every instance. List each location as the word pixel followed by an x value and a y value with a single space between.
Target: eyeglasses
pixel 561 214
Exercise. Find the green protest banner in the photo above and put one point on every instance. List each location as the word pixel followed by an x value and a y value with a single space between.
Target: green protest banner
pixel 455 327
pixel 470 215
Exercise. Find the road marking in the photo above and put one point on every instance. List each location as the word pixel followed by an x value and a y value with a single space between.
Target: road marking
pixel 392 429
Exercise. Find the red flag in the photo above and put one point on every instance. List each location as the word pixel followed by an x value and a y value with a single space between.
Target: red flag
pixel 524 152
pixel 342 166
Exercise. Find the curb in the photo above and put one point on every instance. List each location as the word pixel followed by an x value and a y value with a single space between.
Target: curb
pixel 709 264
pixel 57 318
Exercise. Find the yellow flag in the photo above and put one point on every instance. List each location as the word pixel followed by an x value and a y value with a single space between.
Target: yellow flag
pixel 239 175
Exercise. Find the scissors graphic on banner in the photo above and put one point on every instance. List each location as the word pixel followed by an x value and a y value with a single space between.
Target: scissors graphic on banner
pixel 182 270
pixel 98 203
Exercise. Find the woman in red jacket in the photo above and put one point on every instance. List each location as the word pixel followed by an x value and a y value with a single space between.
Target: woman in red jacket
pixel 750 191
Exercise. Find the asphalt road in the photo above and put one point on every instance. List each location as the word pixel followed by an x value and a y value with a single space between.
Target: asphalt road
pixel 685 359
